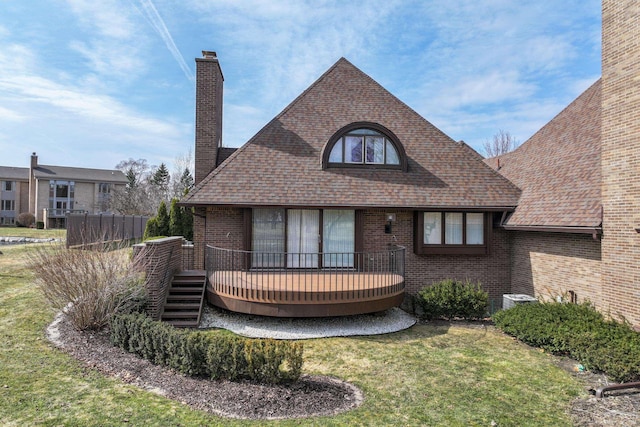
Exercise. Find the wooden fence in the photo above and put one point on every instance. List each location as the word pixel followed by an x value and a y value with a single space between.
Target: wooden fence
pixel 87 229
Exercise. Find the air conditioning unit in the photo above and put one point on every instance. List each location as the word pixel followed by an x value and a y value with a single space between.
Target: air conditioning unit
pixel 510 300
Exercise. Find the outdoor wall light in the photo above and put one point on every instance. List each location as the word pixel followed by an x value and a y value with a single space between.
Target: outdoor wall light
pixel 391 218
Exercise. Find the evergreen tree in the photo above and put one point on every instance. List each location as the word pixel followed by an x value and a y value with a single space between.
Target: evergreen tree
pixel 187 223
pixel 160 181
pixel 186 181
pixel 175 219
pixel 151 229
pixel 163 220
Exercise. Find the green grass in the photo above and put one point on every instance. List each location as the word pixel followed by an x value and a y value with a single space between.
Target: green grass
pixel 428 375
pixel 33 232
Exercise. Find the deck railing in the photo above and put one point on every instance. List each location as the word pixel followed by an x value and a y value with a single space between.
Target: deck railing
pixel 293 277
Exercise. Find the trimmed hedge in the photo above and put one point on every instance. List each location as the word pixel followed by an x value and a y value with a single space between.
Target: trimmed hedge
pixel 451 298
pixel 202 354
pixel 578 331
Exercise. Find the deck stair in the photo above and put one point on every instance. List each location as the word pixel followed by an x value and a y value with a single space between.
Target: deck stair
pixel 183 306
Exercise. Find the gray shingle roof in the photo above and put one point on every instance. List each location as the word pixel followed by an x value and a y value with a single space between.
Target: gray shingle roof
pixel 10 173
pixel 79 174
pixel 558 168
pixel 281 165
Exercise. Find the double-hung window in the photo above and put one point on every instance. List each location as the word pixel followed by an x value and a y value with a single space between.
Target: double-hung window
pixel 463 233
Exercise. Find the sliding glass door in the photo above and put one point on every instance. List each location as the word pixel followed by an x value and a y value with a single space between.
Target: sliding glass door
pixel 303 234
pixel 303 238
pixel 339 233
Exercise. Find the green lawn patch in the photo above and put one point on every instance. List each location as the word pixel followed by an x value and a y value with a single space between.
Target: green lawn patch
pixel 33 233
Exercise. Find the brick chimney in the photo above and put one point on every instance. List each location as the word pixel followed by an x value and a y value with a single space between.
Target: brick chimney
pixel 32 185
pixel 621 158
pixel 208 130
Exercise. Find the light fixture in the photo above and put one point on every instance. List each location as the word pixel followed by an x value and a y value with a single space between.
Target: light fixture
pixel 390 218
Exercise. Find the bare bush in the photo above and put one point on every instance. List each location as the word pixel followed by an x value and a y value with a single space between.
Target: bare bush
pixel 89 285
pixel 26 219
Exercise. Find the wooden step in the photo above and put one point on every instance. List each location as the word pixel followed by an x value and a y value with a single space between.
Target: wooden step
pixel 180 315
pixel 183 323
pixel 181 306
pixel 184 290
pixel 182 298
pixel 189 281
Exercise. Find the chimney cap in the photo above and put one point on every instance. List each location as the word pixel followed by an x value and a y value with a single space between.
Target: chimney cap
pixel 209 54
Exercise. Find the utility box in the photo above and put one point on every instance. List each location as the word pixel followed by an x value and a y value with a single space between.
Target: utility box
pixel 510 300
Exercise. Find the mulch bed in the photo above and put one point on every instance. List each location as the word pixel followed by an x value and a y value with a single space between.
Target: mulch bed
pixel 310 396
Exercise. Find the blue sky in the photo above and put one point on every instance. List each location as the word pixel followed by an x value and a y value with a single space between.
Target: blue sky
pixel 89 83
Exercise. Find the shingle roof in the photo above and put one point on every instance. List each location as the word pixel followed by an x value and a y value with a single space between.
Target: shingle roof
pixel 13 173
pixel 79 174
pixel 558 168
pixel 281 165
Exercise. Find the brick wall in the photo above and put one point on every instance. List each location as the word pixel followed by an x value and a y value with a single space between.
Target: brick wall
pixel 162 258
pixel 621 157
pixel 208 114
pixel 548 265
pixel 491 270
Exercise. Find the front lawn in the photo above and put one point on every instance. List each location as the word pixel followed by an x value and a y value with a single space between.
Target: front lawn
pixel 427 375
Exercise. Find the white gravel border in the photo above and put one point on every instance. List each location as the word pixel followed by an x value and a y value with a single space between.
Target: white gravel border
pixel 252 326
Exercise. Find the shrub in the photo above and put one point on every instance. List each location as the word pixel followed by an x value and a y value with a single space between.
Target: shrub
pixel 151 229
pixel 579 331
pixel 26 219
pixel 451 298
pixel 90 286
pixel 202 354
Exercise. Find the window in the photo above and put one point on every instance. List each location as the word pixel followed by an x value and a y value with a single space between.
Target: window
pixel 364 145
pixel 8 186
pixel 61 195
pixel 104 188
pixel 7 205
pixel 452 233
pixel 302 234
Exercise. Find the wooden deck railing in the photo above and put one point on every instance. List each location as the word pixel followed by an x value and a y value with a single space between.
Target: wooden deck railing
pixel 305 277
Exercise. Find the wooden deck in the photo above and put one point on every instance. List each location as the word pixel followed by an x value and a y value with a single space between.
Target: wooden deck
pixel 303 293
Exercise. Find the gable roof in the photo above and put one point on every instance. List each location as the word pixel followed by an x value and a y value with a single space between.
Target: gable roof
pixel 558 168
pixel 79 174
pixel 281 165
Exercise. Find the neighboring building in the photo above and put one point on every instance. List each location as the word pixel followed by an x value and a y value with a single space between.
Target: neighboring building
pixel 50 192
pixel 14 193
pixel 347 171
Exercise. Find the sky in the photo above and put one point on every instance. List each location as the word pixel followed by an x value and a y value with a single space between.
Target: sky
pixel 90 83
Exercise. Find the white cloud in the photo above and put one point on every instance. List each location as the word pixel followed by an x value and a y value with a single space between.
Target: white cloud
pixel 105 18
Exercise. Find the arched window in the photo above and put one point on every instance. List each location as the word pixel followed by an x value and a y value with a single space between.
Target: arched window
pixel 364 145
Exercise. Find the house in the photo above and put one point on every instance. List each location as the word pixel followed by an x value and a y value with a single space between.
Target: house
pixel 349 181
pixel 344 175
pixel 50 192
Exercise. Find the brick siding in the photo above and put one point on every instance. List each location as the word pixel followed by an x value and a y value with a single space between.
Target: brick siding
pixel 491 271
pixel 621 158
pixel 162 259
pixel 548 265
